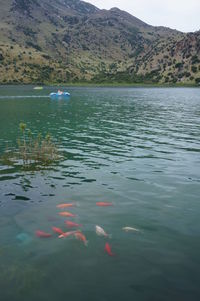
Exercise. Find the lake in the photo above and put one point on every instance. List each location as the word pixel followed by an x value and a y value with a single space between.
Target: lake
pixel 138 148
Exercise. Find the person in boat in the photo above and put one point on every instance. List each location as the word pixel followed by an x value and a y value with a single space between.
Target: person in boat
pixel 60 92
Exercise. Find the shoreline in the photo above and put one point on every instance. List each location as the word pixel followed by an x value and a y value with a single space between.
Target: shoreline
pixel 104 85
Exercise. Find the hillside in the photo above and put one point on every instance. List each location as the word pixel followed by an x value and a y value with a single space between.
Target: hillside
pixel 61 41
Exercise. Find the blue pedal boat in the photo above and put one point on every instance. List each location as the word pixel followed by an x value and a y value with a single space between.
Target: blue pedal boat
pixel 59 95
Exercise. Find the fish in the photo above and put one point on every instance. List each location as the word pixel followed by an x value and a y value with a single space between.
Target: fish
pixel 104 204
pixel 42 234
pixel 108 249
pixel 127 229
pixel 57 230
pixel 100 231
pixel 66 205
pixel 66 234
pixel 81 236
pixel 67 214
pixel 72 224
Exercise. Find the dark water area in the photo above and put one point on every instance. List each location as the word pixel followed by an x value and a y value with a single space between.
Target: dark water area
pixel 138 148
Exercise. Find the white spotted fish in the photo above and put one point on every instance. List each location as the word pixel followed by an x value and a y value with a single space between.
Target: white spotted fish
pixel 100 231
pixel 127 229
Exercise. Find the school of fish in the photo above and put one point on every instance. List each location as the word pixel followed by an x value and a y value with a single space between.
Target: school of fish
pixel 78 234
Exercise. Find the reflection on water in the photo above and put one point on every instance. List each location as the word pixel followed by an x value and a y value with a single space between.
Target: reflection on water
pixel 138 148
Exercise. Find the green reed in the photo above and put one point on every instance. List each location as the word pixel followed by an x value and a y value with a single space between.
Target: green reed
pixel 32 149
pixel 36 149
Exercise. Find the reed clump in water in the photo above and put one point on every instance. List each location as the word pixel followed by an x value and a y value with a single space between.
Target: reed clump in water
pixel 32 150
pixel 36 149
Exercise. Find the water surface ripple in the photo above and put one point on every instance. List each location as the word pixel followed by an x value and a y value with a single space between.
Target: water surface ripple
pixel 136 147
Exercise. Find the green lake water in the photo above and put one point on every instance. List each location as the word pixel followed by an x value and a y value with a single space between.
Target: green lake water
pixel 138 148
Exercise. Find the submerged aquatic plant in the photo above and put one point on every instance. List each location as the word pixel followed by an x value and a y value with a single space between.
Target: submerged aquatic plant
pixel 37 150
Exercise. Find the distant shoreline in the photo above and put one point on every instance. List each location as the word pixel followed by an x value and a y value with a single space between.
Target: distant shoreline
pixel 128 85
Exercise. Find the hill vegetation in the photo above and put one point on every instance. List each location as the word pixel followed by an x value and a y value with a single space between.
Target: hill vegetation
pixel 59 41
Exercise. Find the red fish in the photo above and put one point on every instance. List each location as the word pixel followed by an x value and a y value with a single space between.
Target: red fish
pixel 72 224
pixel 57 230
pixel 104 204
pixel 42 234
pixel 80 236
pixel 65 205
pixel 66 234
pixel 108 249
pixel 67 214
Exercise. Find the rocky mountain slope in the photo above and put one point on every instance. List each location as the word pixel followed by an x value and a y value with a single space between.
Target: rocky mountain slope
pixel 62 41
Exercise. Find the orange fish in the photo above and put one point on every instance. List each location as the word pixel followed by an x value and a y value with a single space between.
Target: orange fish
pixel 67 214
pixel 57 230
pixel 65 205
pixel 42 234
pixel 104 204
pixel 108 249
pixel 72 224
pixel 66 234
pixel 81 236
